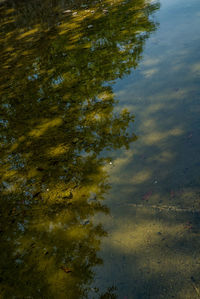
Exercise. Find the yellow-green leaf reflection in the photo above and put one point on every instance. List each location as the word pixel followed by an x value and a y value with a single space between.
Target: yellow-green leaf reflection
pixel 58 61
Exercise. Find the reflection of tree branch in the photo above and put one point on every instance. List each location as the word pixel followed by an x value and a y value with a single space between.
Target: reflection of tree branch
pixel 57 109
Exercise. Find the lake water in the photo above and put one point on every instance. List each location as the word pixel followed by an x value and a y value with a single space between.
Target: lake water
pixel 99 154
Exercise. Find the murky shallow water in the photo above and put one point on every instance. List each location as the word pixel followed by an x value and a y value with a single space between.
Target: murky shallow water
pixel 70 150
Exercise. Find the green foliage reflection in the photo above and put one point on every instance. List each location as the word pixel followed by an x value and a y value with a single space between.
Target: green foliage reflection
pixel 58 62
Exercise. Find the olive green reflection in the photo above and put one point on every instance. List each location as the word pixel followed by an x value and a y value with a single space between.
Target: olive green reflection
pixel 58 62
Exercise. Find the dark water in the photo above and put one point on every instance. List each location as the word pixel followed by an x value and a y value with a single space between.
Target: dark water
pixel 99 156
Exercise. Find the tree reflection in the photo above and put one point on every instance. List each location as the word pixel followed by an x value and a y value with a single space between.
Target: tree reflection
pixel 58 123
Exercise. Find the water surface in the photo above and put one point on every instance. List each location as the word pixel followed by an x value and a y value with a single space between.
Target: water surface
pixel 99 149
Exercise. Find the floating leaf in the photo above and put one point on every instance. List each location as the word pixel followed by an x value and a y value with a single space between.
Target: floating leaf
pixel 66 270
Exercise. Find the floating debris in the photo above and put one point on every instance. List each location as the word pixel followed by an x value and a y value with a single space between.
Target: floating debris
pixel 86 222
pixel 65 269
pixel 194 285
pixel 36 194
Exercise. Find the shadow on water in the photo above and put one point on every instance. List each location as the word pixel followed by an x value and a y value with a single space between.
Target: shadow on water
pixel 59 60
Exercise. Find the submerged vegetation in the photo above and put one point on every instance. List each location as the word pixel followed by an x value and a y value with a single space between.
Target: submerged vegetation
pixel 58 61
